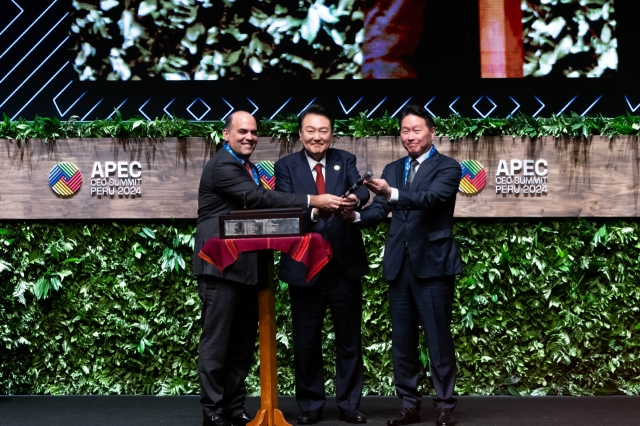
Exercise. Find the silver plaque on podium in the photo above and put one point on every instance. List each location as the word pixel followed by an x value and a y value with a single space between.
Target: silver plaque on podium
pixel 262 223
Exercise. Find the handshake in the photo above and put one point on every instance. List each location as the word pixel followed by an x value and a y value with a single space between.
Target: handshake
pixel 326 204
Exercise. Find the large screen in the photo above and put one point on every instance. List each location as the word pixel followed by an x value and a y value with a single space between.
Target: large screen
pixel 538 38
pixel 203 59
pixel 340 39
pixel 217 39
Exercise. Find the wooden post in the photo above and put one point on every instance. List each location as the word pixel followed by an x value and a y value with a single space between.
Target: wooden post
pixel 501 47
pixel 268 414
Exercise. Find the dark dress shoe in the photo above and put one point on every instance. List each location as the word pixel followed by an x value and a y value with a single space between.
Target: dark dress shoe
pixel 241 419
pixel 309 417
pixel 445 417
pixel 405 416
pixel 351 416
pixel 216 420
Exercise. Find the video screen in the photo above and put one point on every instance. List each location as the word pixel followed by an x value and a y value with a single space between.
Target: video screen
pixel 342 39
pixel 574 39
pixel 217 39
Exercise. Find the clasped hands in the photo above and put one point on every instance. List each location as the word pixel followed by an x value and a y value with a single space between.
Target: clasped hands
pixel 378 187
pixel 326 204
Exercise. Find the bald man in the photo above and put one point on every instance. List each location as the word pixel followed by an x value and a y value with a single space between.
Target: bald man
pixel 230 300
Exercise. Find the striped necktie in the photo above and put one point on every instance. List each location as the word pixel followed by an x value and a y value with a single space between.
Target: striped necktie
pixel 412 172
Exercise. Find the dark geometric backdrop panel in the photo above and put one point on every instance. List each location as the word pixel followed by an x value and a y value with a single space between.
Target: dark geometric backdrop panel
pixel 37 75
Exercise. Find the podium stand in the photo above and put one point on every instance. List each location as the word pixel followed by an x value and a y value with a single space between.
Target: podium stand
pixel 310 249
pixel 268 414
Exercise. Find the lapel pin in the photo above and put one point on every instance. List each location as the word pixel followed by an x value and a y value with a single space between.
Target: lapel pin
pixel 336 167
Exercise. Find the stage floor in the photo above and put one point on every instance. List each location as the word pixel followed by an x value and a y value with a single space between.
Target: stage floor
pixel 185 410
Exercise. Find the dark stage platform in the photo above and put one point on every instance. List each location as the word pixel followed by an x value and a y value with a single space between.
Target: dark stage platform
pixel 185 410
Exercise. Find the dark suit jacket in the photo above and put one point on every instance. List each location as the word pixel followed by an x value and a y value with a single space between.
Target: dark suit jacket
pixel 294 175
pixel 222 185
pixel 422 218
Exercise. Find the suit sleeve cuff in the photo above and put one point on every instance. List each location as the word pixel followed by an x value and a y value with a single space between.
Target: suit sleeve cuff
pixel 394 195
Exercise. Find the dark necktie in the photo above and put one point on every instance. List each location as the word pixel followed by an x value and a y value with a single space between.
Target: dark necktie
pixel 319 178
pixel 248 167
pixel 412 172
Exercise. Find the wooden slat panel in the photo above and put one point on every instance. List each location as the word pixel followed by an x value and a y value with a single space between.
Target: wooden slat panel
pixel 171 172
pixel 592 177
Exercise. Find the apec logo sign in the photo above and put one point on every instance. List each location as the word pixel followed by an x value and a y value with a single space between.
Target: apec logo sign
pixel 474 177
pixel 110 178
pixel 513 177
pixel 266 172
pixel 120 178
pixel 65 179
pixel 526 176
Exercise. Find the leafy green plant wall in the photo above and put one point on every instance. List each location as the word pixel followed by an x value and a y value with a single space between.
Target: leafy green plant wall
pixel 286 127
pixel 547 307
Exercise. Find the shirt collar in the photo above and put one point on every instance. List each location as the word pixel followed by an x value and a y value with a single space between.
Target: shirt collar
pixel 424 156
pixel 312 162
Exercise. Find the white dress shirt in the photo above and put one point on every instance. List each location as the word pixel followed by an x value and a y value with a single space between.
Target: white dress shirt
pixel 394 191
pixel 312 166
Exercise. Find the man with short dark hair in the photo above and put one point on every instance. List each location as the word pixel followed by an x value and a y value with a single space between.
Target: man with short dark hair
pixel 230 299
pixel 420 262
pixel 317 168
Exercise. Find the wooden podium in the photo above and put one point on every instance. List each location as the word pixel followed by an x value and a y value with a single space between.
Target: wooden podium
pixel 310 249
pixel 268 414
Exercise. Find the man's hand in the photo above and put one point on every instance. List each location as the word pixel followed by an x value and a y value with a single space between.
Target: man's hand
pixel 349 215
pixel 325 201
pixel 379 187
pixel 350 203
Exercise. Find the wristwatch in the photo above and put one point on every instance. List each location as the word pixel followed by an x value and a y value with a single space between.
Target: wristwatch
pixel 358 203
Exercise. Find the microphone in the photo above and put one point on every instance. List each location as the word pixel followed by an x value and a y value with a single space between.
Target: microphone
pixel 368 175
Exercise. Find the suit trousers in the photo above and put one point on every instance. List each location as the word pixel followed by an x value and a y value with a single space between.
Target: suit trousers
pixel 429 301
pixel 308 308
pixel 227 344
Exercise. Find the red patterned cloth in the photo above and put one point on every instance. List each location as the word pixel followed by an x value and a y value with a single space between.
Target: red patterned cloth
pixel 310 249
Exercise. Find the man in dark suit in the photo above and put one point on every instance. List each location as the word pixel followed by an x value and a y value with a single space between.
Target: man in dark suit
pixel 229 301
pixel 320 169
pixel 420 262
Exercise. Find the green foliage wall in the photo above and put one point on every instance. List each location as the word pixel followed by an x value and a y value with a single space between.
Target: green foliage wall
pixel 286 127
pixel 545 307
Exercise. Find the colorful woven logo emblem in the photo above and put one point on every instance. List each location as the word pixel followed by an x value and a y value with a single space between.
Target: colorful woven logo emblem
pixel 65 179
pixel 267 172
pixel 474 177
